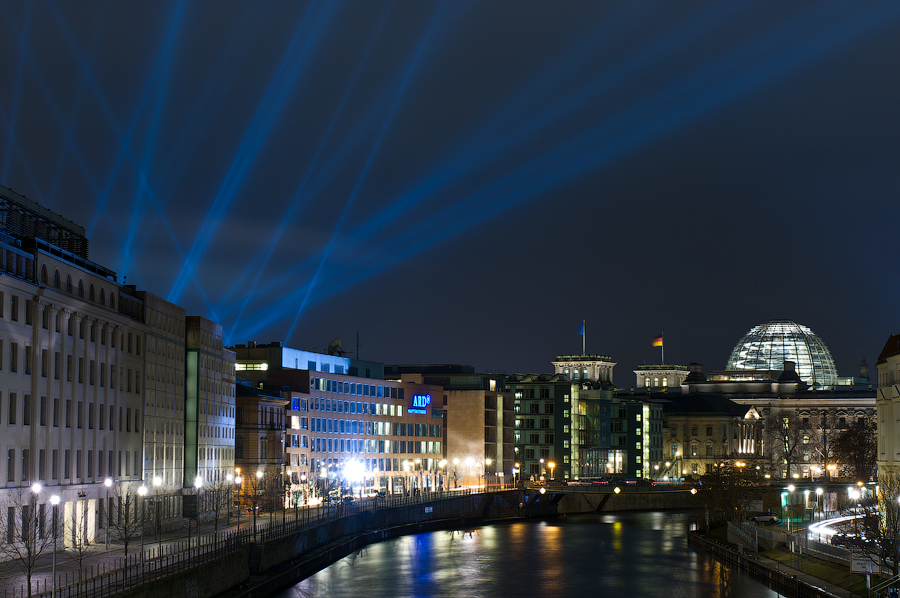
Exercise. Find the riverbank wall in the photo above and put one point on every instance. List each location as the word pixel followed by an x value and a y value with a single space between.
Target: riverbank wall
pixel 780 579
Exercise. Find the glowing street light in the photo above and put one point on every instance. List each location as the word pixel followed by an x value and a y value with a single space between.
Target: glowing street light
pixel 551 465
pixel 107 482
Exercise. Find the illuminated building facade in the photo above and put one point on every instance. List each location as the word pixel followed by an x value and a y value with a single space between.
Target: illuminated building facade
pixel 91 373
pixel 480 420
pixel 353 431
pixel 888 407
pixel 543 408
pixel 660 376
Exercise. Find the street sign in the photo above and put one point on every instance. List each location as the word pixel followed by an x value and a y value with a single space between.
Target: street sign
pixel 860 562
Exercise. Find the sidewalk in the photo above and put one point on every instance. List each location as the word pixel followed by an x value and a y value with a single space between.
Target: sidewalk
pixel 14 583
pixel 798 572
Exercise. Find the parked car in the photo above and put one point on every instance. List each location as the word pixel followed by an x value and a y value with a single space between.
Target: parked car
pixel 347 500
pixel 768 517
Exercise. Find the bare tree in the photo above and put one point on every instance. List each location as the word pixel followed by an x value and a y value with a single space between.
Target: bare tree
pixel 731 489
pixel 828 426
pixel 80 547
pixel 785 430
pixel 26 532
pixel 218 500
pixel 127 519
pixel 856 450
pixel 254 488
pixel 879 528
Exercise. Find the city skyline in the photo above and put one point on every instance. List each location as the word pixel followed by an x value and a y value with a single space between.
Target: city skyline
pixel 468 183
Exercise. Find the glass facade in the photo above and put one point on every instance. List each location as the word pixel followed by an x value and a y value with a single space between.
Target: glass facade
pixel 769 345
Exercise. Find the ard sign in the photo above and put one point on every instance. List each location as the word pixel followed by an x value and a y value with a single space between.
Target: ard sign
pixel 420 404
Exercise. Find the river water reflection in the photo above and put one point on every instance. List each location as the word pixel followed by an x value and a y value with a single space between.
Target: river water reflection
pixel 618 554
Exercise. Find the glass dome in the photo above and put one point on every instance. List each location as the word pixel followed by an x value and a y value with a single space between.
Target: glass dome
pixel 769 345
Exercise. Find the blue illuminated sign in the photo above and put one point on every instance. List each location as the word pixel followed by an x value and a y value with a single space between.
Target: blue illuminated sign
pixel 420 404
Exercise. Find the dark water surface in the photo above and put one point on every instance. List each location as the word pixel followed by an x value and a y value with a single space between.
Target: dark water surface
pixel 624 554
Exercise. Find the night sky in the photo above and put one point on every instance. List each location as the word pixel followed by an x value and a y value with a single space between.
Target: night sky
pixel 465 182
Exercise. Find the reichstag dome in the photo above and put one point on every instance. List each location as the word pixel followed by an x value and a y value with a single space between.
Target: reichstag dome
pixel 769 345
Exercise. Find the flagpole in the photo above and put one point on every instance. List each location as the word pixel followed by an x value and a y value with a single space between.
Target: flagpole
pixel 662 347
pixel 582 337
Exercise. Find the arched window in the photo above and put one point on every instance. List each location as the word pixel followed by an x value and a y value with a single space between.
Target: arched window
pixel 102 296
pixel 91 293
pixel 665 381
pixel 584 374
pixel 81 288
pixel 112 300
pixel 68 283
pixel 43 273
pixel 647 381
pixel 56 279
pixel 656 382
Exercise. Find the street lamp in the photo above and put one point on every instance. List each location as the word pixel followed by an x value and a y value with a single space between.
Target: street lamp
pixel 819 492
pixel 551 465
pixel 54 500
pixel 107 482
pixel 790 489
pixel 237 482
pixel 143 492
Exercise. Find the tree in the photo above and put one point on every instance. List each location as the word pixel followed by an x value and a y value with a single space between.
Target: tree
pixel 880 529
pixel 80 547
pixel 128 518
pixel 252 495
pixel 825 443
pixel 785 430
pixel 25 536
pixel 218 499
pixel 856 450
pixel 731 489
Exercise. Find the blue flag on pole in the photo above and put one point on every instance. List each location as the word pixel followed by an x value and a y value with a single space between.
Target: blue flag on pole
pixel 581 328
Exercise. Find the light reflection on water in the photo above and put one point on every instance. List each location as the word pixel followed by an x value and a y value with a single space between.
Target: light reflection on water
pixel 635 554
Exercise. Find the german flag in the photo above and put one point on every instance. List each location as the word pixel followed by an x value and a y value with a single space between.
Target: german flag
pixel 657 340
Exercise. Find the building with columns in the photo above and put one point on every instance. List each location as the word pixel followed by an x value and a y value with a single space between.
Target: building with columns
pixel 887 403
pixel 93 376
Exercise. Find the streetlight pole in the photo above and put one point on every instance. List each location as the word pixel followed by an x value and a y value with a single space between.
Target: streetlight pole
pixel 143 492
pixel 107 482
pixel 237 482
pixel 54 500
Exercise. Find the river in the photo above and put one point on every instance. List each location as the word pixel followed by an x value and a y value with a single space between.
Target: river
pixel 626 555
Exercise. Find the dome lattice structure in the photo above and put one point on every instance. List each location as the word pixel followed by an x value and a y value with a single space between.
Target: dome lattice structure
pixel 769 345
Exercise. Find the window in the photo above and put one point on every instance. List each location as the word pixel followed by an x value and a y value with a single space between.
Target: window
pixel 693 450
pixel 26 410
pixel 709 430
pixel 709 450
pixel 693 430
pixel 11 419
pixel 545 423
pixel 14 309
pixel 55 414
pixel 45 358
pixel 548 407
pixel 13 357
pixel 68 413
pixel 43 413
pixel 534 408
